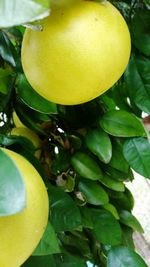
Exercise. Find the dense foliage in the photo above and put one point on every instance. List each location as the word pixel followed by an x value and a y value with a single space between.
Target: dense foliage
pixel 87 152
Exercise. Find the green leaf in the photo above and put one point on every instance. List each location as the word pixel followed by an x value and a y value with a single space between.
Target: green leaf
pixel 99 144
pixel 7 50
pixel 40 261
pixel 86 217
pixel 138 83
pixel 122 200
pixel 122 124
pixel 32 99
pixel 77 243
pixel 4 80
pixel 12 188
pixel 7 140
pixel 65 215
pixel 119 94
pixel 94 193
pixel 111 209
pixel 143 64
pixel 118 160
pixel 20 12
pixel 26 119
pixel 86 166
pixel 107 230
pixel 137 153
pixel 67 260
pixel 118 175
pixel 140 31
pixel 128 219
pixel 108 101
pixel 127 237
pixel 111 183
pixel 48 244
pixel 142 97
pixel 124 257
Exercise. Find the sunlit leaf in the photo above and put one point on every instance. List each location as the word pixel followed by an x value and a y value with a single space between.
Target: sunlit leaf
pixel 12 189
pixel 123 257
pixel 106 228
pixel 65 214
pixel 122 123
pixel 99 144
pixel 22 11
pixel 137 153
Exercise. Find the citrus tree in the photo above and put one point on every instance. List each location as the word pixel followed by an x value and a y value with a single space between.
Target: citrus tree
pixel 74 120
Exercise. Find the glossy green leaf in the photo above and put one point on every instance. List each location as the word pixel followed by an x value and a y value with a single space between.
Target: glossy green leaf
pixel 76 242
pixel 137 153
pixel 48 244
pixel 107 230
pixel 7 140
pixel 128 219
pixel 4 80
pixel 142 97
pixel 32 98
pixel 111 209
pixel 119 94
pixel 127 237
pixel 143 65
pixel 111 183
pixel 99 144
pixel 108 101
pixel 121 200
pixel 40 261
pixel 118 175
pixel 140 31
pixel 124 257
pixel 86 166
pixel 118 160
pixel 20 12
pixel 122 124
pixel 137 81
pixel 65 214
pixel 67 260
pixel 94 193
pixel 86 217
pixel 12 188
pixel 27 120
pixel 7 50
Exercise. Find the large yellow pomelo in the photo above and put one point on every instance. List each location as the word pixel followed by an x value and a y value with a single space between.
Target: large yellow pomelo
pixel 82 51
pixel 21 233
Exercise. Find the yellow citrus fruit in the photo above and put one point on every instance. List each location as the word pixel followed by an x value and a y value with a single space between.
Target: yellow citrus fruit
pixel 17 121
pixel 32 136
pixel 81 52
pixel 21 233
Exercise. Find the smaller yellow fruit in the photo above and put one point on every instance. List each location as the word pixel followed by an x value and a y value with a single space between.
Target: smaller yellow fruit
pixel 20 233
pixel 17 121
pixel 32 136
